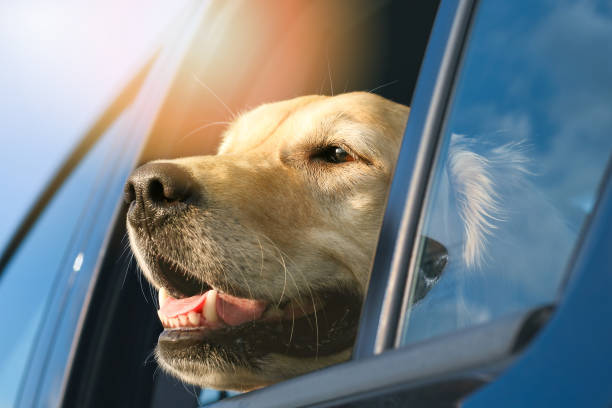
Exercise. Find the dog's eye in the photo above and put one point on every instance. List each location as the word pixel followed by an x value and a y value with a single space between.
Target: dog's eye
pixel 334 154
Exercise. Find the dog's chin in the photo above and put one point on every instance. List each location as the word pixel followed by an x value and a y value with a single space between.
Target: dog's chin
pixel 212 373
pixel 221 375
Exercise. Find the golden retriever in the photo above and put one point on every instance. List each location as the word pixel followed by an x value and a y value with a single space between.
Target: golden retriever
pixel 261 253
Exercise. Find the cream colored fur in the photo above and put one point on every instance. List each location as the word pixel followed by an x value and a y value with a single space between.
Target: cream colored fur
pixel 281 224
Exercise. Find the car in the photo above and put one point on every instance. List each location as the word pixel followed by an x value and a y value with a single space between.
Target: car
pixel 528 327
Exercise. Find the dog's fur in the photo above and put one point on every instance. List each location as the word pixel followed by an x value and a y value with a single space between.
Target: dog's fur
pixel 280 222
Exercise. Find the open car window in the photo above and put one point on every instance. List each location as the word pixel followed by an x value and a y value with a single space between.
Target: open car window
pixel 326 48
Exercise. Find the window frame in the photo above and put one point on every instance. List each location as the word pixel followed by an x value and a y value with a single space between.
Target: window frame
pixel 382 306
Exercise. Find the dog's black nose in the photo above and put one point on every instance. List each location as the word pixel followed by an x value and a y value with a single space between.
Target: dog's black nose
pixel 154 189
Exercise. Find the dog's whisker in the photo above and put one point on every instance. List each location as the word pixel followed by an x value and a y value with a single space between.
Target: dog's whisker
pixel 189 390
pixel 246 281
pixel 321 86
pixel 246 262
pixel 153 297
pixel 255 235
pixel 127 269
pixel 280 300
pixel 383 85
pixel 150 358
pixel 292 325
pixel 298 300
pixel 199 81
pixel 331 83
pixel 280 259
pixel 261 268
pixel 126 248
pixel 125 238
pixel 262 256
pixel 287 272
pixel 121 256
pixel 140 284
pixel 200 128
pixel 314 306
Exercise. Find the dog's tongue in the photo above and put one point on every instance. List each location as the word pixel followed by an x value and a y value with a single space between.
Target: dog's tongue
pixel 174 307
pixel 232 310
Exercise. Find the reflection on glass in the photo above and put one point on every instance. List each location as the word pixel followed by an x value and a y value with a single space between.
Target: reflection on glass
pixel 39 269
pixel 525 144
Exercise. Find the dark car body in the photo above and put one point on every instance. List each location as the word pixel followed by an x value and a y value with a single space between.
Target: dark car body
pixel 91 332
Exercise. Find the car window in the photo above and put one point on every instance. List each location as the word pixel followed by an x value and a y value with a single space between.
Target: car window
pixel 526 139
pixel 326 48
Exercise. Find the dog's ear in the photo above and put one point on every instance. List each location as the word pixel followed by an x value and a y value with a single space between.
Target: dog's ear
pixel 433 260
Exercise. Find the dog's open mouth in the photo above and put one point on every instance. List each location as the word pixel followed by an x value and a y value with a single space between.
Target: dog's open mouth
pixel 319 324
pixel 212 310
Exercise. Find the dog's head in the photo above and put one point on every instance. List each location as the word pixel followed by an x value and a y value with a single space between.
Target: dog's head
pixel 262 252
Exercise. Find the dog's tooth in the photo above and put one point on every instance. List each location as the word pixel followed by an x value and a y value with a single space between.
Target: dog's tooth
pixel 183 320
pixel 210 307
pixel 163 319
pixel 163 296
pixel 174 322
pixel 194 318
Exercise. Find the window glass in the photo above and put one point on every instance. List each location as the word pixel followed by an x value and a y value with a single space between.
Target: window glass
pixel 42 267
pixel 525 143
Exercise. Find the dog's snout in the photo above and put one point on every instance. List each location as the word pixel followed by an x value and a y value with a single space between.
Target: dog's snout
pixel 155 188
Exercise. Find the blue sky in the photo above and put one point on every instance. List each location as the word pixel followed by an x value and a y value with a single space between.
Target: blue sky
pixel 62 62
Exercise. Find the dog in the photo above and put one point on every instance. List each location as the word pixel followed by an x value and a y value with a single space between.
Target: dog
pixel 261 253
